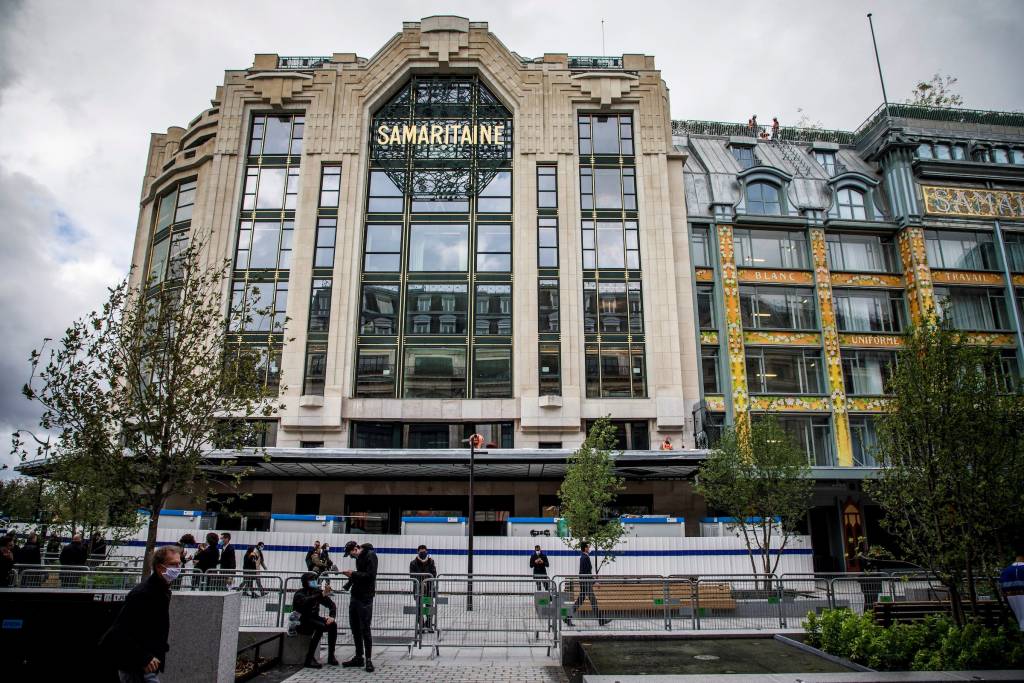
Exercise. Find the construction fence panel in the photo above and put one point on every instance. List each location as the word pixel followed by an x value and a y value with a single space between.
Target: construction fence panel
pixel 738 601
pixel 483 611
pixel 623 603
pixel 859 593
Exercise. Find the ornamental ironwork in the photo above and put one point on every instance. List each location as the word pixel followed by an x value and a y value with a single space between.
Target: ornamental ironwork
pixel 442 138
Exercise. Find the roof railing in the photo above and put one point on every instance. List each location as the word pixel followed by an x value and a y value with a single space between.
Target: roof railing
pixel 590 63
pixel 929 113
pixel 788 133
pixel 302 62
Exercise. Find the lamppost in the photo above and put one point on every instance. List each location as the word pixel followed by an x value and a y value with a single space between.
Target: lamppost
pixel 475 441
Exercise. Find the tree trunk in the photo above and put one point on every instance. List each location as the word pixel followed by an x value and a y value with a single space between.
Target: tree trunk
pixel 955 602
pixel 154 524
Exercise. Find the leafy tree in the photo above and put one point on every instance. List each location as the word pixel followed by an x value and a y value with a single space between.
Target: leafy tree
pixel 588 490
pixel 938 92
pixel 137 391
pixel 805 121
pixel 951 450
pixel 757 474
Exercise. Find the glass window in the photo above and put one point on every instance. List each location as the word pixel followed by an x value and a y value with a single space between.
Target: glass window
pixel 492 372
pixel 973 308
pixel 275 188
pixel 943 150
pixel 330 186
pixel 433 372
pixel 827 160
pixel 496 195
pixel 547 242
pixel 709 369
pixel 494 247
pixel 316 370
pixel 276 135
pixel 385 195
pixel 924 150
pixel 1018 155
pixel 260 307
pixel 165 213
pixel 493 310
pixel 612 307
pixel 383 248
pixel 850 204
pixel 959 152
pixel 320 305
pixel 440 191
pixel 264 245
pixel 547 187
pixel 862 310
pixel 606 134
pixel 813 434
pixel 961 250
pixel 700 246
pixel 866 373
pixel 607 245
pixel 179 243
pixel 763 199
pixel 771 249
pixel 861 253
pixel 186 200
pixel 864 435
pixel 550 373
pixel 375 372
pixel 378 314
pixel 548 310
pixel 1014 242
pixel 744 155
pixel 158 261
pixel 441 247
pixel 326 230
pixel 436 309
pixel 784 371
pixel 615 373
pixel 779 308
pixel 607 188
pixel 1000 155
pixel 706 306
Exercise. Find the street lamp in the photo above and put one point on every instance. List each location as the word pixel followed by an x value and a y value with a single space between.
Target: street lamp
pixel 475 441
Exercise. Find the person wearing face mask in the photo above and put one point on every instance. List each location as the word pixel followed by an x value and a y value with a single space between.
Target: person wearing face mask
pixel 422 568
pixel 136 643
pixel 306 603
pixel 539 563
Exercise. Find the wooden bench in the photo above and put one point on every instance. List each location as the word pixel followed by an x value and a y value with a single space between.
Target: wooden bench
pixel 625 596
pixel 990 612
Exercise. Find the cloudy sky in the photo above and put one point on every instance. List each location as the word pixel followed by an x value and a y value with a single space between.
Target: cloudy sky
pixel 83 83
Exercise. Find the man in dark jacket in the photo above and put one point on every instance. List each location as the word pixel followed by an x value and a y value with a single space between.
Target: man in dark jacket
pixel 29 553
pixel 137 641
pixel 539 564
pixel 74 554
pixel 360 605
pixel 227 552
pixel 422 568
pixel 306 603
pixel 586 582
pixel 207 556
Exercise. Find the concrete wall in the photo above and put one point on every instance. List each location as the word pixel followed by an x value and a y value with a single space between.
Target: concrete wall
pixel 204 637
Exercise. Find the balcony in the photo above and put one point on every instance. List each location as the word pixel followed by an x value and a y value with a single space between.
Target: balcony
pixel 595 63
pixel 302 62
pixel 786 133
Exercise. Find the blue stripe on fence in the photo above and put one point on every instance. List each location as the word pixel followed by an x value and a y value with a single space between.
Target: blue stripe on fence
pixel 524 552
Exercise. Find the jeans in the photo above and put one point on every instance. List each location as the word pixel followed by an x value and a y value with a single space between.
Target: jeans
pixel 319 626
pixel 587 593
pixel 133 677
pixel 360 614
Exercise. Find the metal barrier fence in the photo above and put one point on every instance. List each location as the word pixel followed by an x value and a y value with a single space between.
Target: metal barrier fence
pixel 487 611
pixel 502 611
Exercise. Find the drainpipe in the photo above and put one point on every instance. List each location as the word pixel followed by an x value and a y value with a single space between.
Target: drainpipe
pixel 1014 308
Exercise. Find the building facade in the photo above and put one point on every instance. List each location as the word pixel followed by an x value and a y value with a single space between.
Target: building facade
pixel 451 239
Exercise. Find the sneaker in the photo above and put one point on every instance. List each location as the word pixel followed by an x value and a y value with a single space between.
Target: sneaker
pixel 313 664
pixel 355 661
pixel 603 622
pixel 568 622
pixel 369 667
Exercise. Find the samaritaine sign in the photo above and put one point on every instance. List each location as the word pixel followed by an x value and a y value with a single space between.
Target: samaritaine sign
pixel 974 202
pixel 435 134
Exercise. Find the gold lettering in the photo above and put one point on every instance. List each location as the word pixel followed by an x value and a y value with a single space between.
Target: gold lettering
pixel 424 137
pixel 435 134
pixel 485 135
pixel 499 135
pixel 466 138
pixel 382 135
pixel 964 201
pixel 395 138
pixel 409 135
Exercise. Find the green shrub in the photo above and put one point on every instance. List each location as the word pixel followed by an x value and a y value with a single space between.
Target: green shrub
pixel 931 645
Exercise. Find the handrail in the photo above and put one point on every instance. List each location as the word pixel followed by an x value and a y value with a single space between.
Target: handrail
pixel 761 132
pixel 307 62
pixel 930 113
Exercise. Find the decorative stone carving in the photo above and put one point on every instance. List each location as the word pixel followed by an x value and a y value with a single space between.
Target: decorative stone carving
pixel 276 87
pixel 605 87
pixel 444 36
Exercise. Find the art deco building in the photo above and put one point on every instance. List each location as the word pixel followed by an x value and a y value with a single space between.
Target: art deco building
pixel 456 239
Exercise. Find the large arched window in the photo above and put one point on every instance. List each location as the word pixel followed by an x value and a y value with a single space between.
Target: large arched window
pixel 763 199
pixel 850 204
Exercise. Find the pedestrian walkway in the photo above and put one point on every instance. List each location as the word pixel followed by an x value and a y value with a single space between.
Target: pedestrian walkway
pixel 455 665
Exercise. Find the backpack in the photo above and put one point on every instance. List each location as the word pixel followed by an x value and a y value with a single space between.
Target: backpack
pixel 293 623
